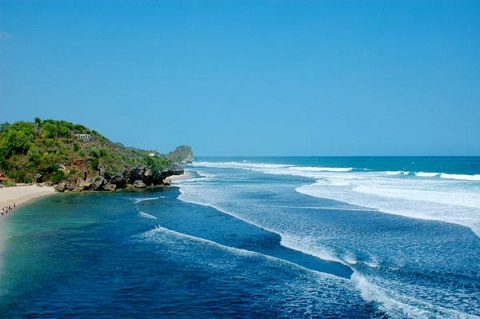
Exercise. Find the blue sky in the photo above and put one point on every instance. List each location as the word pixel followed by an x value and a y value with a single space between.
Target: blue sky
pixel 250 77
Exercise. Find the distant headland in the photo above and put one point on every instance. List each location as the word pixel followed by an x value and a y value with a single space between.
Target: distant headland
pixel 72 157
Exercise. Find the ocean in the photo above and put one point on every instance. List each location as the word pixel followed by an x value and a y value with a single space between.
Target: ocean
pixel 281 237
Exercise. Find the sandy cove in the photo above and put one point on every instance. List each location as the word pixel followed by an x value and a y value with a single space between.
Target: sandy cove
pixel 20 195
pixel 185 175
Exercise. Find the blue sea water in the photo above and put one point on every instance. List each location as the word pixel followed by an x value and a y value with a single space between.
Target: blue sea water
pixel 294 237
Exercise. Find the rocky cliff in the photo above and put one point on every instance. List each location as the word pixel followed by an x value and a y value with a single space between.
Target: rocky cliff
pixel 130 178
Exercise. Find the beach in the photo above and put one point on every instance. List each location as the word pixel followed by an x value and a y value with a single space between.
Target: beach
pixel 185 175
pixel 20 195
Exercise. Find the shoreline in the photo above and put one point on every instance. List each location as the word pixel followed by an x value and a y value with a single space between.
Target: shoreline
pixel 16 196
pixel 20 195
pixel 184 176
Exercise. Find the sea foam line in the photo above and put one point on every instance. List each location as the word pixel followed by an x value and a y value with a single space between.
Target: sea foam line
pixel 286 240
pixel 149 235
pixel 321 169
pixel 413 203
pixel 146 215
pixel 402 306
pixel 139 200
pixel 461 177
pixel 271 168
pixel 309 171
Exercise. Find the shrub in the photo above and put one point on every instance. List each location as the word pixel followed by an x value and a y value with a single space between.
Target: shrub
pixel 103 152
pixel 58 177
pixel 8 183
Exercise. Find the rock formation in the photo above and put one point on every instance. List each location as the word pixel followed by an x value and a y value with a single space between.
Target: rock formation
pixel 131 177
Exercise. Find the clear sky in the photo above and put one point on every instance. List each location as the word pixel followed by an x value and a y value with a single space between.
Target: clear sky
pixel 247 77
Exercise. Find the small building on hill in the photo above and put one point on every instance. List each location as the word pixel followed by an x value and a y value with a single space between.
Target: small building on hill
pixel 84 137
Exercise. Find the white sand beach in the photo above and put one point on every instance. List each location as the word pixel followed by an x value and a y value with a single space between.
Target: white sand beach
pixel 185 175
pixel 20 195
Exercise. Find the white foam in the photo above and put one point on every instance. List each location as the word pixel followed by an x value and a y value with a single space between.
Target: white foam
pixel 321 169
pixel 195 195
pixel 396 173
pixel 145 199
pixel 461 177
pixel 424 174
pixel 241 165
pixel 276 169
pixel 396 305
pixel 300 243
pixel 464 177
pixel 394 192
pixel 431 200
pixel 373 263
pixel 145 215
pixel 454 198
pixel 159 230
pixel 350 258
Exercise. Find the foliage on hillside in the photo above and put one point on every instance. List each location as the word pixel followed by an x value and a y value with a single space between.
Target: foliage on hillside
pixel 53 151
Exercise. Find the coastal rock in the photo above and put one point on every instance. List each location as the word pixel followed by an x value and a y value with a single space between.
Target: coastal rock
pixel 38 178
pixel 85 185
pixel 118 180
pixel 187 160
pixel 175 169
pixel 139 184
pixel 138 177
pixel 98 182
pixel 61 187
pixel 110 187
pixel 139 173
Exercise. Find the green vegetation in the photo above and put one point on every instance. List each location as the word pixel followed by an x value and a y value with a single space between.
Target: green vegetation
pixel 52 151
pixel 8 183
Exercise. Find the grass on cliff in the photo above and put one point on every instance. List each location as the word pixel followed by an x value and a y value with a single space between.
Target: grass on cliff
pixel 52 151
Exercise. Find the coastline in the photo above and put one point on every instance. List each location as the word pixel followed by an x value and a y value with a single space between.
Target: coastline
pixel 185 175
pixel 20 195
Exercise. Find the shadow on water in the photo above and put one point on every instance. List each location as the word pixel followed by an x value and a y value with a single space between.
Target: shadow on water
pixel 211 224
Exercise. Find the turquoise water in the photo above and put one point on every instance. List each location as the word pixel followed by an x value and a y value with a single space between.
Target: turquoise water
pixel 255 238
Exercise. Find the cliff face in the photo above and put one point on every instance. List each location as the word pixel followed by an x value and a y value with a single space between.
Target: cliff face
pixel 130 178
pixel 74 157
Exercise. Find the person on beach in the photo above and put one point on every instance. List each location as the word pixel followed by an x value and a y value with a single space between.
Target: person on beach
pixel 8 209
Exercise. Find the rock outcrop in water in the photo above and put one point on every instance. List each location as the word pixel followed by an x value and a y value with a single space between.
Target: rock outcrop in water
pixel 182 154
